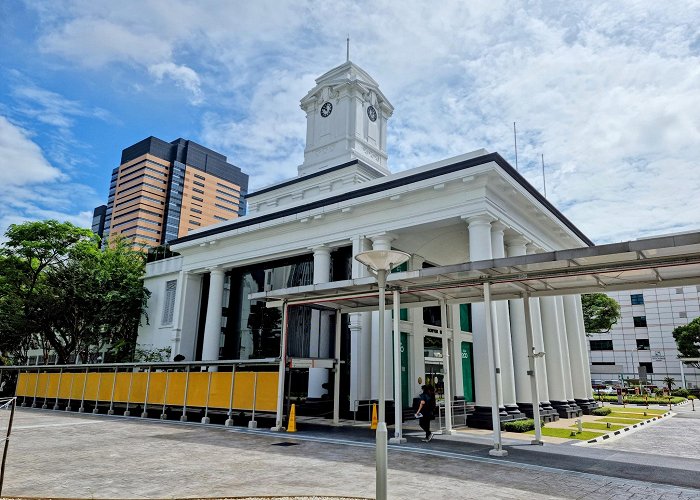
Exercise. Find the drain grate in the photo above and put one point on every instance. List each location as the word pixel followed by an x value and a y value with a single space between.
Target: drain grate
pixel 285 443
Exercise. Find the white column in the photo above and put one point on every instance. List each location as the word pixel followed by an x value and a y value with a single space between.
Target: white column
pixel 320 325
pixel 417 351
pixel 503 324
pixel 480 249
pixel 564 346
pixel 521 363
pixel 336 368
pixel 552 346
pixel 538 339
pixel 576 357
pixel 212 325
pixel 447 335
pixel 584 349
pixel 381 242
pixel 187 308
pixel 360 336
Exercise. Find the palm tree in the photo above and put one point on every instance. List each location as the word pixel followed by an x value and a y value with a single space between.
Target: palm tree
pixel 670 382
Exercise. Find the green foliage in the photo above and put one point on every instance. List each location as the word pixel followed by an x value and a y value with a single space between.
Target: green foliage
pixel 687 339
pixel 61 292
pixel 670 382
pixel 639 400
pixel 601 411
pixel 600 312
pixel 681 393
pixel 525 425
pixel 152 355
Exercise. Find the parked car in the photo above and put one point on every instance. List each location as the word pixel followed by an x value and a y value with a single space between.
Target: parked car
pixel 606 390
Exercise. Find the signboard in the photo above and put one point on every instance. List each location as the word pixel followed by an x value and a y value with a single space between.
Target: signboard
pixel 658 356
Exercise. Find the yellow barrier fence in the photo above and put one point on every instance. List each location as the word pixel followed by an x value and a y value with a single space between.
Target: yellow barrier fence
pixel 239 390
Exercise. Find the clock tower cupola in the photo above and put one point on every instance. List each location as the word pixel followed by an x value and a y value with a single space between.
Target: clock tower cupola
pixel 346 117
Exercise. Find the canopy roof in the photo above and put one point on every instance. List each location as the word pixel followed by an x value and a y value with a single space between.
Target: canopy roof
pixel 650 263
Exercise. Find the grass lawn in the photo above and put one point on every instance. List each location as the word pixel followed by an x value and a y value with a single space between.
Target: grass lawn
pixel 600 426
pixel 566 433
pixel 639 416
pixel 618 420
pixel 632 409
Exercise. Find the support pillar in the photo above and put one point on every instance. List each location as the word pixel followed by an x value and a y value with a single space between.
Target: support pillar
pixel 320 325
pixel 553 358
pixel 479 228
pixel 212 325
pixel 505 349
pixel 447 335
pixel 576 356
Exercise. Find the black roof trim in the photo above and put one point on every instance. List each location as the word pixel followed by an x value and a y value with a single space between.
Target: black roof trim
pixel 402 181
pixel 300 179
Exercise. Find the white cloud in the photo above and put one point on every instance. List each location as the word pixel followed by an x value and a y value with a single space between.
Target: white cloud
pixel 182 76
pixel 21 160
pixel 30 187
pixel 607 91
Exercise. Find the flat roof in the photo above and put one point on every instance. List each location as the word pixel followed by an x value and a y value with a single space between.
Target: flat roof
pixel 660 262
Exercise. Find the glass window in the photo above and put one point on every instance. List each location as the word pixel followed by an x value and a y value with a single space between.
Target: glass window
pixel 648 366
pixel 252 330
pixel 169 302
pixel 601 345
pixel 640 321
pixel 637 299
pixel 642 344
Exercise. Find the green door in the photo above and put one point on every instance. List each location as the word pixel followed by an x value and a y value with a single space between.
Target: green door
pixel 404 369
pixel 468 371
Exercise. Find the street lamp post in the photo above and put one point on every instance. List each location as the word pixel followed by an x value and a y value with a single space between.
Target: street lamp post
pixel 381 262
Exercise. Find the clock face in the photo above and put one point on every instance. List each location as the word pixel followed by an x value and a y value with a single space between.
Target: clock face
pixel 326 109
pixel 372 113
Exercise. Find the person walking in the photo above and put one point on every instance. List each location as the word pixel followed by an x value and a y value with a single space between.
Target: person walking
pixel 424 414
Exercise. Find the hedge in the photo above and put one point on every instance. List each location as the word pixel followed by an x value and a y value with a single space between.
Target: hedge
pixel 601 411
pixel 525 425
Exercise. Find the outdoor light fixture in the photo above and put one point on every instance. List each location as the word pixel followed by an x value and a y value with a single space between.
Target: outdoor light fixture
pixel 381 262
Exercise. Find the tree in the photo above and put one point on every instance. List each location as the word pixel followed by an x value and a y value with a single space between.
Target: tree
pixel 600 312
pixel 670 382
pixel 687 339
pixel 31 250
pixel 68 295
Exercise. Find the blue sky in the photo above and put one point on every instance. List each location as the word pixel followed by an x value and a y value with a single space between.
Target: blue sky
pixel 608 92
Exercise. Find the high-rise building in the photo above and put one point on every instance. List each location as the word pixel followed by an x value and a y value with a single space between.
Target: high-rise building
pixel 641 344
pixel 162 190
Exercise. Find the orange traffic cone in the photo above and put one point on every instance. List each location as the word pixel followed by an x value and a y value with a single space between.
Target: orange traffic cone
pixel 374 417
pixel 292 425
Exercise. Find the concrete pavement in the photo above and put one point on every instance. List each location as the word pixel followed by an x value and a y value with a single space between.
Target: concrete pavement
pixel 68 455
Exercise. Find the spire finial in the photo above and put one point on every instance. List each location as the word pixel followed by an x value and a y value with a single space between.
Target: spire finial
pixel 347 56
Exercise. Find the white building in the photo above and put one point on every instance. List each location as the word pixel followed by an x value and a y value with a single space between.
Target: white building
pixel 641 343
pixel 345 200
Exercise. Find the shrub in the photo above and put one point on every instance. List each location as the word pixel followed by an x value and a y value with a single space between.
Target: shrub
pixel 525 425
pixel 601 412
pixel 682 393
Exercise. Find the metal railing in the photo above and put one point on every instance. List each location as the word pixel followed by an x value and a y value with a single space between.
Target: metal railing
pixel 5 405
pixel 229 385
pixel 459 411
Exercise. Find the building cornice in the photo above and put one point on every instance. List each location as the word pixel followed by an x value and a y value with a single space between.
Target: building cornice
pixel 385 184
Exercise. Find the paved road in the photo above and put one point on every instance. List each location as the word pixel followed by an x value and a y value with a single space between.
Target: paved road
pixel 68 455
pixel 672 437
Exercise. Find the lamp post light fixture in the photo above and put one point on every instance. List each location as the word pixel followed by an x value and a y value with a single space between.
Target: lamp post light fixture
pixel 381 262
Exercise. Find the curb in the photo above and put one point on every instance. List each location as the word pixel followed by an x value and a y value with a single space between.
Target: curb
pixel 602 438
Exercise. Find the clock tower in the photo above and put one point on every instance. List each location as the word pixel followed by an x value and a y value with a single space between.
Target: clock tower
pixel 346 117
